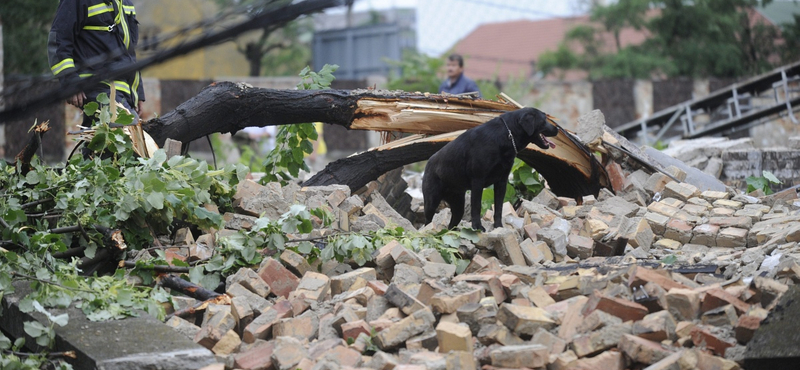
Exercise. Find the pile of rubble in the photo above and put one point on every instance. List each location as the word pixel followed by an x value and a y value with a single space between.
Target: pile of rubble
pixel 660 275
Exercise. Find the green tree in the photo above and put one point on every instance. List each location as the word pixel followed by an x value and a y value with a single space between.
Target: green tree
pixel 26 24
pixel 686 38
pixel 418 72
pixel 278 49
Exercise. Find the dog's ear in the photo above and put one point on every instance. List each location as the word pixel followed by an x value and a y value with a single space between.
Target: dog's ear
pixel 531 121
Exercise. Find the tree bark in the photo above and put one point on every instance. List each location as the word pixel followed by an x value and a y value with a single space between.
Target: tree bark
pixel 229 107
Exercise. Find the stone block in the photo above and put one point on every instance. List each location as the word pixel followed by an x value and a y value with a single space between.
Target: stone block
pixel 250 280
pixel 555 239
pixel 535 252
pixel 640 275
pixel 732 237
pixel 343 357
pixel 524 320
pixel 428 288
pixel 592 228
pixel 539 297
pixel 258 357
pixel 280 280
pixel 508 249
pixel 295 262
pixel 662 208
pixel 681 191
pixel 642 350
pixel 407 303
pixel 475 315
pixel 255 200
pixel 235 221
pixel 683 304
pixel 216 327
pixel 727 203
pixel 705 234
pixel 229 343
pixel 600 340
pixel 547 198
pixel 720 316
pixel 580 246
pixel 712 196
pixel 288 353
pixel 495 333
pixel 596 320
pixel 678 230
pixel 717 297
pixel 638 232
pixel 255 301
pixel 657 326
pixel 425 341
pixel 657 222
pixel 490 283
pixel 519 356
pixel 261 327
pixel 303 328
pixel 314 286
pixel 342 283
pixel 461 293
pixel 656 183
pixel 453 337
pixel 668 244
pixel 399 332
pixel 184 327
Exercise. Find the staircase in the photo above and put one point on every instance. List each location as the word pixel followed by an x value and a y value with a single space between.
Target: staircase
pixel 734 108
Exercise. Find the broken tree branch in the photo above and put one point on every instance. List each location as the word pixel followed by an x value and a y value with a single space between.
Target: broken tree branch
pixel 158 268
pixel 188 288
pixel 229 107
pixel 34 143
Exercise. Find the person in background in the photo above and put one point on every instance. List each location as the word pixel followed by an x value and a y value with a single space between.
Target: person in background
pixel 457 82
pixel 88 36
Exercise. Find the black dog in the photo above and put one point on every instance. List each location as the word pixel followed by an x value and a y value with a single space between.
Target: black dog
pixel 480 157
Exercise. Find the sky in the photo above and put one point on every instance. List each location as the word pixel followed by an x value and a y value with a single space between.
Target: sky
pixel 441 23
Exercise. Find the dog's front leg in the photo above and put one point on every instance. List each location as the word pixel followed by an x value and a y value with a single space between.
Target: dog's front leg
pixel 476 192
pixel 499 195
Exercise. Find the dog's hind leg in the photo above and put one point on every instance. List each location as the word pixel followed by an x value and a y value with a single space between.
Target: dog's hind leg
pixel 456 202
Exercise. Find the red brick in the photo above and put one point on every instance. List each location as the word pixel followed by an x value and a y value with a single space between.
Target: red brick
pixel 703 338
pixel 745 328
pixel 351 330
pixel 622 308
pixel 616 175
pixel 717 298
pixel 256 358
pixel 377 286
pixel 281 281
pixel 641 275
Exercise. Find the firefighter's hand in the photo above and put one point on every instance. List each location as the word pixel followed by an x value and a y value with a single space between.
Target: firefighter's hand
pixel 77 100
pixel 139 108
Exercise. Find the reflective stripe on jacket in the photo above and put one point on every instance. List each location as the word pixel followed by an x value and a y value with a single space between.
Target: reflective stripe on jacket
pixel 90 35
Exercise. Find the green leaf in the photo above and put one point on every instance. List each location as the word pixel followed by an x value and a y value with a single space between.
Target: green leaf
pixel 210 281
pixel 123 117
pixel 60 320
pixel 99 141
pixel 5 343
pixel 90 108
pixel 670 259
pixel 156 200
pixel 771 177
pixel 305 247
pixel 102 98
pixel 90 250
pixel 196 274
pixel 32 178
pixel 34 328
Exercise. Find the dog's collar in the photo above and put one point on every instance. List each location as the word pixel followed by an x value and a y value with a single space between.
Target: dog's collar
pixel 510 136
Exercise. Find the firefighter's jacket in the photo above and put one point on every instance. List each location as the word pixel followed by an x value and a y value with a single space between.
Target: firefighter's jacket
pixel 90 35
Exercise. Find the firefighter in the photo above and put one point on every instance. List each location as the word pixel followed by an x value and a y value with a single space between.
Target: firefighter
pixel 88 36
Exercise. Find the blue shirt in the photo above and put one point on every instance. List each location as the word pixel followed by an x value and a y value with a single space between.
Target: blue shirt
pixel 462 85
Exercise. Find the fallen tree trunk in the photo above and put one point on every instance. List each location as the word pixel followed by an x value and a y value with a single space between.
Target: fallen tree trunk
pixel 229 107
pixel 570 169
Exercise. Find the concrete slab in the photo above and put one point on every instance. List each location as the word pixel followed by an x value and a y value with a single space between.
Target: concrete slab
pixel 694 176
pixel 134 343
pixel 775 343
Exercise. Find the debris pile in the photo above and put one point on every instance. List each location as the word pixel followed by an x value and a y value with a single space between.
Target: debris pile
pixel 661 274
